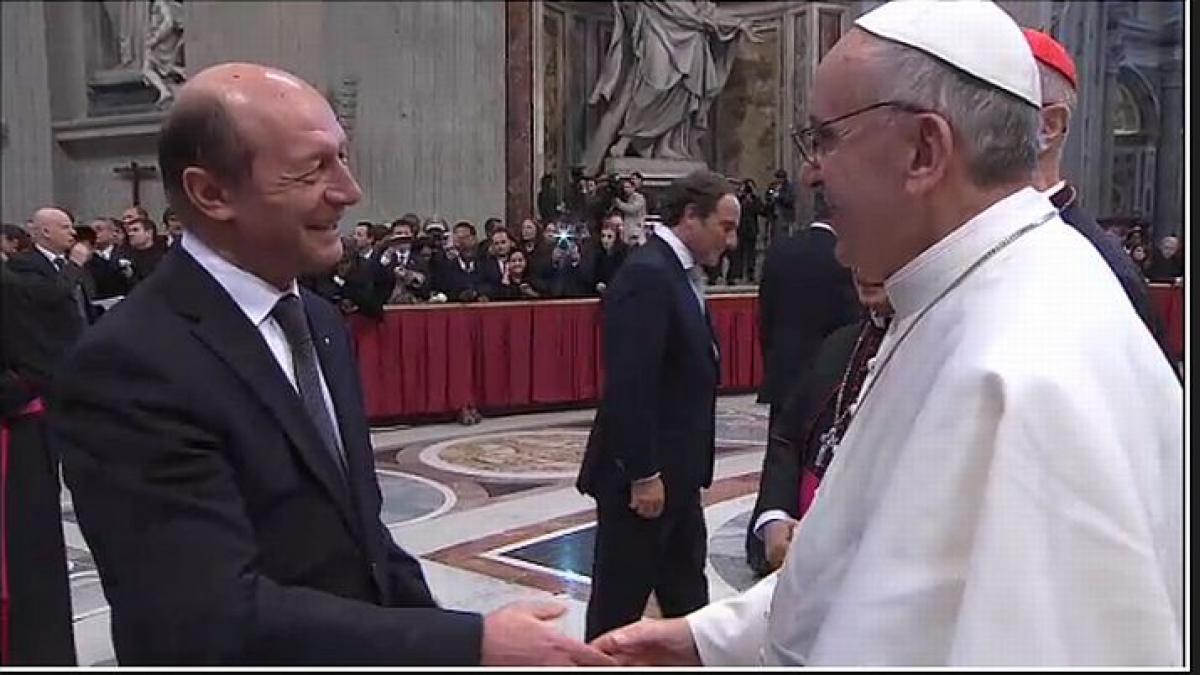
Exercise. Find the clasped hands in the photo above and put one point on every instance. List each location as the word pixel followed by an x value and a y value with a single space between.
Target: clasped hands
pixel 522 634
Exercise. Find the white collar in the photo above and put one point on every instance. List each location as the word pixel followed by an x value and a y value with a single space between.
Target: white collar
pixel 255 297
pixel 818 225
pixel 107 252
pixel 50 255
pixel 915 285
pixel 1054 189
pixel 681 250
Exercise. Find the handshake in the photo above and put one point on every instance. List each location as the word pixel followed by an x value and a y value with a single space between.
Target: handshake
pixel 521 634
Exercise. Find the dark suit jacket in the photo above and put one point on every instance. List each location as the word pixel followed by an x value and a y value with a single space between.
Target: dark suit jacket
pixel 661 377
pixel 791 445
pixel 1127 272
pixel 489 273
pixel 110 283
pixel 451 278
pixel 805 295
pixel 144 261
pixel 41 318
pixel 222 529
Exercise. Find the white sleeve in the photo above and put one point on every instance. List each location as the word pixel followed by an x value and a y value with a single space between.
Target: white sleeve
pixel 732 632
pixel 766 517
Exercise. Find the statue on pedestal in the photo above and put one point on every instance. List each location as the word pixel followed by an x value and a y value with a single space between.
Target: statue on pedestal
pixel 145 48
pixel 163 62
pixel 666 63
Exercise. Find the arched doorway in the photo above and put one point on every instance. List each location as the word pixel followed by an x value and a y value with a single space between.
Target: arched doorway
pixel 1134 124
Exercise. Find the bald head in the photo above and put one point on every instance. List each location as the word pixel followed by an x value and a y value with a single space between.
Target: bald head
pixel 53 230
pixel 256 164
pixel 219 119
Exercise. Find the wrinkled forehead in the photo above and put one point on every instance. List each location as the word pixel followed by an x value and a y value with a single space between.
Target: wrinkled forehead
pixel 847 77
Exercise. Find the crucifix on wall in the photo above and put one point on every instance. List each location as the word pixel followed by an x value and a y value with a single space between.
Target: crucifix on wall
pixel 136 172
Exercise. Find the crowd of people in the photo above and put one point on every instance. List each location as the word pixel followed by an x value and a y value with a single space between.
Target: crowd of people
pixel 1161 263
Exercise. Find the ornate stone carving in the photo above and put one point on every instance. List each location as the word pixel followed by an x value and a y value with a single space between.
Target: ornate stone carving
pixel 162 63
pixel 666 63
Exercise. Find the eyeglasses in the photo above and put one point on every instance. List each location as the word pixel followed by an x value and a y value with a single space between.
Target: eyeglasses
pixel 812 141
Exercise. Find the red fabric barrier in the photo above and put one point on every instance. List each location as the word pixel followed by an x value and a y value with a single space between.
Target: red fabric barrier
pixel 431 360
pixel 1168 300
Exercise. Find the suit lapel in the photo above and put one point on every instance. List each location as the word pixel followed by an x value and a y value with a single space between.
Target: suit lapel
pixel 701 330
pixel 225 330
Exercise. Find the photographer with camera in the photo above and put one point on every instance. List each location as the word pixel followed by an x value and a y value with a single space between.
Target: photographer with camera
pixel 407 275
pixel 564 277
pixel 781 206
pixel 632 206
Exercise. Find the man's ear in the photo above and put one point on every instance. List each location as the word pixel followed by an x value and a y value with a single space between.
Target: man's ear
pixel 207 195
pixel 931 153
pixel 1054 126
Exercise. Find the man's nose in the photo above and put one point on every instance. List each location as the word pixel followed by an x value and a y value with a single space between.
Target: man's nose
pixel 345 191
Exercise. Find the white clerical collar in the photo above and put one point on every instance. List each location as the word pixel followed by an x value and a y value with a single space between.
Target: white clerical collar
pixel 681 250
pixel 818 225
pixel 915 285
pixel 1054 189
pixel 254 296
pixel 50 255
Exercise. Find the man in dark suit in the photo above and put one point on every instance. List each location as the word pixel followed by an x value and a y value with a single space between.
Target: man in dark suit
pixel 455 269
pixel 43 315
pixel 796 455
pixel 651 447
pixel 213 429
pixel 490 271
pixel 143 252
pixel 103 267
pixel 805 295
pixel 1057 70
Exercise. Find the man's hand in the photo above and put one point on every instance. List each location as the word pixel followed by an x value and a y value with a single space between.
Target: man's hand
pixel 523 634
pixel 777 538
pixel 80 255
pixel 651 642
pixel 647 497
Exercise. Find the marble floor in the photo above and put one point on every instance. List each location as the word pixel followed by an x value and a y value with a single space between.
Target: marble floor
pixel 493 514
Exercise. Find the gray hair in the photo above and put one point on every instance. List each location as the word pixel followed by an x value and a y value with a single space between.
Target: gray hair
pixel 997 129
pixel 1056 88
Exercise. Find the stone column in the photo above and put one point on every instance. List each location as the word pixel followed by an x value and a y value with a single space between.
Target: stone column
pixel 25 137
pixel 1081 29
pixel 518 107
pixel 1168 218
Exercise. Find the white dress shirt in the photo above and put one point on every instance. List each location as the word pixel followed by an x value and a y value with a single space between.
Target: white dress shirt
pixel 50 255
pixel 256 298
pixel 688 261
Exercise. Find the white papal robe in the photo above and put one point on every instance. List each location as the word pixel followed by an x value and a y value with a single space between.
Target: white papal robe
pixel 1011 492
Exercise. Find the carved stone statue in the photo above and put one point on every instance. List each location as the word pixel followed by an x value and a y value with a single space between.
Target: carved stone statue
pixel 162 64
pixel 666 63
pixel 127 20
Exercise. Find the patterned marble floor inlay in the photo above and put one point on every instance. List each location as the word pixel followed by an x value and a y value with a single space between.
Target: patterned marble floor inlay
pixel 570 552
pixel 740 425
pixel 727 552
pixel 550 454
pixel 407 498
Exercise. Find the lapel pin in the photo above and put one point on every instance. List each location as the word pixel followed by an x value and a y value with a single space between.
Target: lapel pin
pixel 326 341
